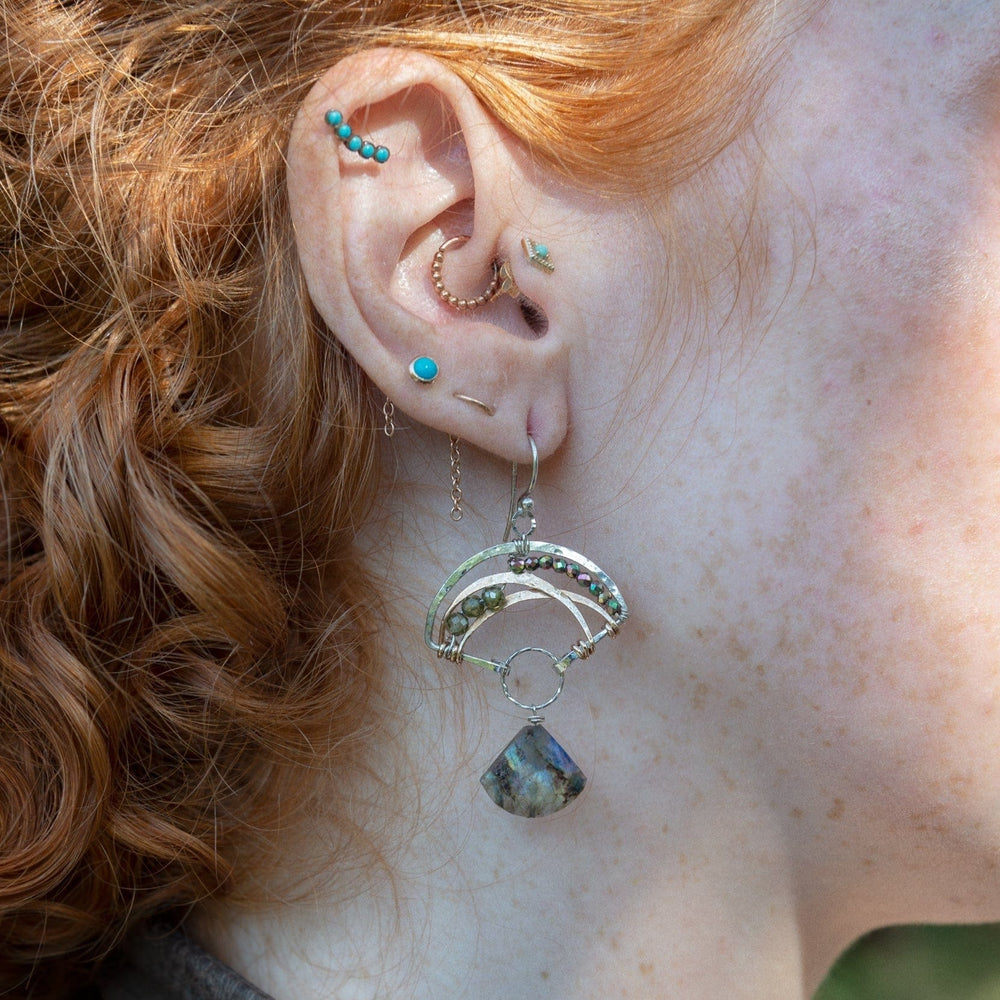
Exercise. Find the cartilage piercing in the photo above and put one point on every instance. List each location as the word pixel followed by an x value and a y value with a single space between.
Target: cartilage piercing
pixel 366 149
pixel 501 283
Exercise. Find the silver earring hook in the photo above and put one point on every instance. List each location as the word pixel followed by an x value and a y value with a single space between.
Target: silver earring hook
pixel 522 506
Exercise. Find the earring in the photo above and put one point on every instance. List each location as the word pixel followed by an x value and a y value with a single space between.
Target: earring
pixel 424 370
pixel 388 418
pixel 365 149
pixel 533 775
pixel 477 403
pixel 538 254
pixel 456 479
pixel 502 282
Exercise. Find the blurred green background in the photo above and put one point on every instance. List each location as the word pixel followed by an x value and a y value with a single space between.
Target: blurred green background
pixel 919 963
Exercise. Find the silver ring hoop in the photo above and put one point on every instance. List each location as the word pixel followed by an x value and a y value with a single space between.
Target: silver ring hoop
pixel 502 282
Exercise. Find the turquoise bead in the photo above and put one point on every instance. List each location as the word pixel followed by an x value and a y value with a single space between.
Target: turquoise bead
pixel 424 369
pixel 541 249
pixel 381 154
pixel 334 118
pixel 367 150
pixel 355 143
pixel 344 131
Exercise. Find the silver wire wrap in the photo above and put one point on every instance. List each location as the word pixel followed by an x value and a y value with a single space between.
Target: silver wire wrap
pixel 595 592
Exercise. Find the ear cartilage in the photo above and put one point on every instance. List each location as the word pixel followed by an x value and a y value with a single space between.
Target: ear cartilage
pixel 424 370
pixel 538 254
pixel 365 149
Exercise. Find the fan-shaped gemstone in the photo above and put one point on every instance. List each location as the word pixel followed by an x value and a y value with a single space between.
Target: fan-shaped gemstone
pixel 534 776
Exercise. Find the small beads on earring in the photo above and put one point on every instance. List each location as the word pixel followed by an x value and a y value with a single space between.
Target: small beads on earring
pixel 365 149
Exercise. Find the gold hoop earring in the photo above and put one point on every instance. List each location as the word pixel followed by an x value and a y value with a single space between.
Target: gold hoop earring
pixel 502 282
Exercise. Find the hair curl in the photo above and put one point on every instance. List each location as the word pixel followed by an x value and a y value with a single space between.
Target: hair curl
pixel 186 452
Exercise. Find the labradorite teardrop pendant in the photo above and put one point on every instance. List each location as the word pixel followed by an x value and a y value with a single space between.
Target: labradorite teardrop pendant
pixel 533 776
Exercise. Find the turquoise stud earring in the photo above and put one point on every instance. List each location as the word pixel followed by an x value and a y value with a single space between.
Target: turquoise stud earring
pixel 365 149
pixel 424 370
pixel 538 254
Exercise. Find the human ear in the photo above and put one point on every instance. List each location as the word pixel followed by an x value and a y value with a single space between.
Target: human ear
pixel 367 233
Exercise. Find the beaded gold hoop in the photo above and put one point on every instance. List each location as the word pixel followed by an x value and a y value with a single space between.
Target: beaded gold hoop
pixel 502 282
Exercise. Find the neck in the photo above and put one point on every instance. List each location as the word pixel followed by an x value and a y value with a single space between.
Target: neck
pixel 669 876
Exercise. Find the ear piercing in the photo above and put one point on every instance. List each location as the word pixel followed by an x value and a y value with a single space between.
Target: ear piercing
pixel 363 147
pixel 538 254
pixel 424 370
pixel 477 403
pixel 502 282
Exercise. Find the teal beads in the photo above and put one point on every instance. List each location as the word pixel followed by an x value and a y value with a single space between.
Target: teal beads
pixel 424 370
pixel 365 149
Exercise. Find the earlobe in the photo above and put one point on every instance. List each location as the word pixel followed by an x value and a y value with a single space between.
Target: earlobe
pixel 418 253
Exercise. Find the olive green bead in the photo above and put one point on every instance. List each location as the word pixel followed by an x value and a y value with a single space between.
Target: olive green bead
pixel 493 598
pixel 456 624
pixel 473 606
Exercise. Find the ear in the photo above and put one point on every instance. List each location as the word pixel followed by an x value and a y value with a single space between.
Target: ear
pixel 367 234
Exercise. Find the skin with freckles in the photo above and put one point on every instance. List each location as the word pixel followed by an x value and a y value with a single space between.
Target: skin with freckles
pixel 796 738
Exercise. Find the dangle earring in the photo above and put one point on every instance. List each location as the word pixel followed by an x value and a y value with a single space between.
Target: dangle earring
pixel 534 775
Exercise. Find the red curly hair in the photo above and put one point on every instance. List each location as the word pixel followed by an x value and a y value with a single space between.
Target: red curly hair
pixel 187 452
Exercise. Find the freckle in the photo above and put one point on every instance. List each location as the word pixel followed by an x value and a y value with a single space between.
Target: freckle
pixel 836 810
pixel 665 829
pixel 700 694
pixel 545 973
pixel 646 968
pixel 796 813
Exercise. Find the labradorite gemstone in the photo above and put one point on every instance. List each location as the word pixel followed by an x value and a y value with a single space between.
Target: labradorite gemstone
pixel 534 776
pixel 456 624
pixel 473 606
pixel 493 598
pixel 545 562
